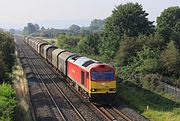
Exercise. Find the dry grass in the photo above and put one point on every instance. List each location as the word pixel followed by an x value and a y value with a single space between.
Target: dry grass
pixel 20 85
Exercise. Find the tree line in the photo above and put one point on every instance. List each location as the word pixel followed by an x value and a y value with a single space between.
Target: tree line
pixel 141 52
pixel 34 29
pixel 7 49
pixel 7 94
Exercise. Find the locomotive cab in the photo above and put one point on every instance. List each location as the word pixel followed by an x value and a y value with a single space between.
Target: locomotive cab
pixel 102 82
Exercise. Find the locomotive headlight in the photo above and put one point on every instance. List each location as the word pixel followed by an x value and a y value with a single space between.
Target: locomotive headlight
pixel 93 90
pixel 112 89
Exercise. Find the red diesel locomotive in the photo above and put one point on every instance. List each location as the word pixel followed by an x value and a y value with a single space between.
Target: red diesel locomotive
pixel 95 80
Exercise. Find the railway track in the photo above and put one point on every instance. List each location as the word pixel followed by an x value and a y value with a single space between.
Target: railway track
pixel 45 75
pixel 41 107
pixel 111 113
pixel 55 86
pixel 63 116
pixel 65 97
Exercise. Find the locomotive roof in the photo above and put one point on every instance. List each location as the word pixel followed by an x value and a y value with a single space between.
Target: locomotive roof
pixel 83 62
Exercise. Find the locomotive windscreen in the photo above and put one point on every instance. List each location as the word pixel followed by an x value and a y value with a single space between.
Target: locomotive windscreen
pixel 97 75
pixel 108 76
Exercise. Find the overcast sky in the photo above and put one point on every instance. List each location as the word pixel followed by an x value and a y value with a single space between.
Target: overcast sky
pixel 63 13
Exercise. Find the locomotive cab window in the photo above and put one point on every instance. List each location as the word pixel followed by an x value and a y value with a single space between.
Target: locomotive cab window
pixel 82 77
pixel 108 75
pixel 87 75
pixel 97 75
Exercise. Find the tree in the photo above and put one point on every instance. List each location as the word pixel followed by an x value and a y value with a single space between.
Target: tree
pixel 31 28
pixel 12 31
pixel 147 61
pixel 127 50
pixel 75 28
pixel 96 25
pixel 7 49
pixel 2 67
pixel 90 44
pixel 68 42
pixel 85 31
pixel 129 19
pixel 171 59
pixel 37 27
pixel 153 41
pixel 168 24
pixel 42 28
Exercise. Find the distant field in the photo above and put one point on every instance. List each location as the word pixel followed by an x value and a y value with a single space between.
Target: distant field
pixel 156 107
pixel 50 40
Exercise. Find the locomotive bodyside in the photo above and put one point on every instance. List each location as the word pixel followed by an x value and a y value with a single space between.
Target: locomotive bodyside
pixel 94 79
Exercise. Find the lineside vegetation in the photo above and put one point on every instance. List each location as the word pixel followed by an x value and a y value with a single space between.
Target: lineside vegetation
pixel 142 53
pixel 7 94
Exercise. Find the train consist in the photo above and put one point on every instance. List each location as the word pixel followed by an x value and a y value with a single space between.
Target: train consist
pixel 95 80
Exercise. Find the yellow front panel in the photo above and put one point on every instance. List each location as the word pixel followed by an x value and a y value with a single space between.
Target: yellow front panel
pixel 102 87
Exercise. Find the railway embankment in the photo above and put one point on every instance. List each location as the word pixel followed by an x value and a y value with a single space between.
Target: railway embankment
pixel 20 86
pixel 157 106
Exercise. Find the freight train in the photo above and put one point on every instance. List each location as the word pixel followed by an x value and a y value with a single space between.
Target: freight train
pixel 95 80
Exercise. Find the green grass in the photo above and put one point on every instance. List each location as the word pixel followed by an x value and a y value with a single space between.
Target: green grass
pixel 7 102
pixel 156 107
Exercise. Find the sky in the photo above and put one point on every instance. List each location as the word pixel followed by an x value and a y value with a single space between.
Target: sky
pixel 63 13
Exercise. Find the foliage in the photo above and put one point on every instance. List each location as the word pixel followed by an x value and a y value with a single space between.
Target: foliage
pixel 51 33
pixel 127 50
pixel 68 42
pixel 171 59
pixel 37 27
pixel 75 28
pixel 155 106
pixel 7 49
pixel 153 41
pixel 2 67
pixel 151 81
pixel 7 102
pixel 85 31
pixel 30 28
pixel 168 24
pixel 12 31
pixel 89 45
pixel 96 25
pixel 128 19
pixel 147 61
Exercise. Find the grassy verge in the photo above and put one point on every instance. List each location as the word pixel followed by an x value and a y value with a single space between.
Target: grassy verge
pixel 21 88
pixel 156 107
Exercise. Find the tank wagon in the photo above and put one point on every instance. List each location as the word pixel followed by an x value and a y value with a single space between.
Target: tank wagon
pixel 95 80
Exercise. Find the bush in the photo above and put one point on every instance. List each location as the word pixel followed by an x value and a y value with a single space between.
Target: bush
pixel 7 102
pixel 89 44
pixel 68 42
pixel 127 50
pixel 171 59
pixel 151 81
pixel 7 49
